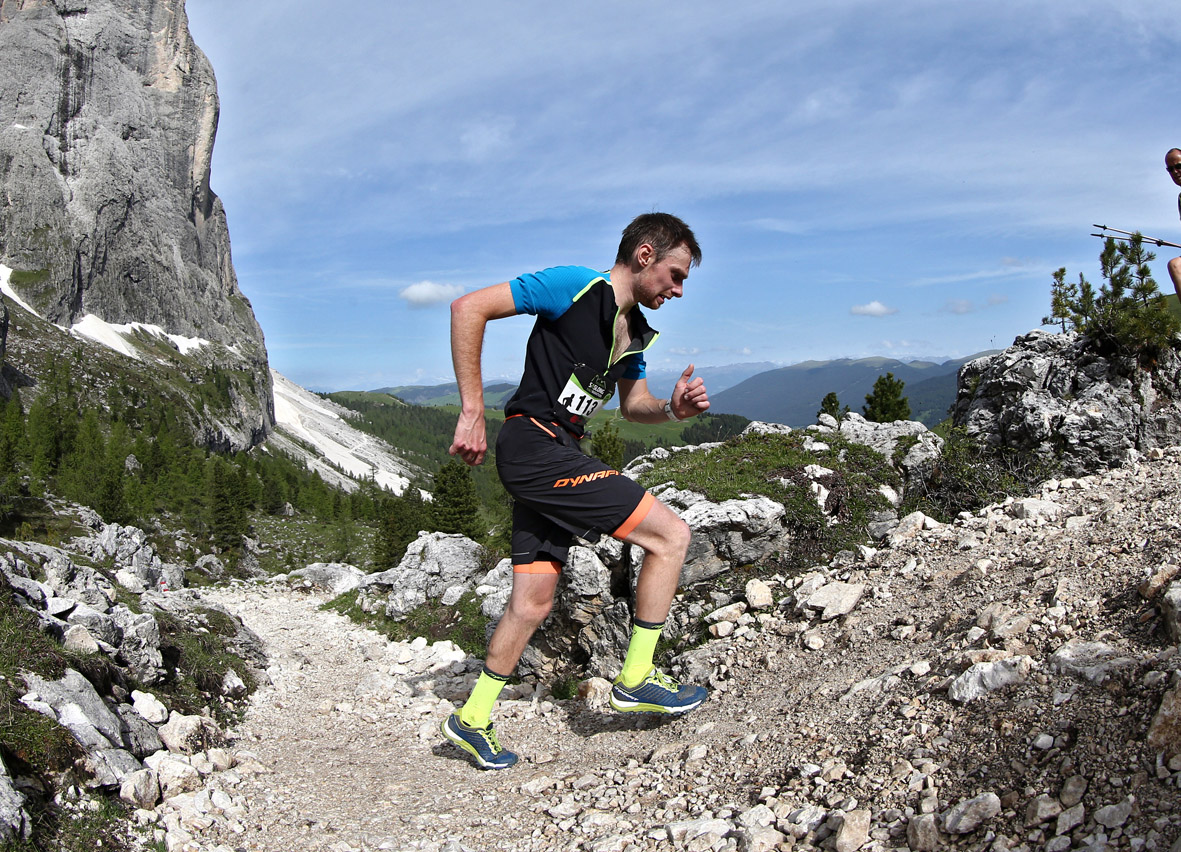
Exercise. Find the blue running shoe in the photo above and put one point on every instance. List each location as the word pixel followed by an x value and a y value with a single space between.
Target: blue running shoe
pixel 657 693
pixel 481 743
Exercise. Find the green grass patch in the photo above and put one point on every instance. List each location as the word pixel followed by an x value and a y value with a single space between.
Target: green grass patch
pixel 28 277
pixel 197 649
pixel 773 466
pixel 297 541
pixel 27 738
pixel 463 622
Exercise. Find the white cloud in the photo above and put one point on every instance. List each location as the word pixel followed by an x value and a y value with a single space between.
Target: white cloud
pixel 427 293
pixel 873 309
pixel 959 306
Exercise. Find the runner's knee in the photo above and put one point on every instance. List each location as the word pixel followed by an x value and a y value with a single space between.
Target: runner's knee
pixel 1175 269
pixel 532 609
pixel 675 537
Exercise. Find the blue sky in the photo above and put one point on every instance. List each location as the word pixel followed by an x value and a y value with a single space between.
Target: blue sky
pixel 865 178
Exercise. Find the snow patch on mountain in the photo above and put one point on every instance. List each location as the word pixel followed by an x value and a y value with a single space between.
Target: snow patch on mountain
pixel 317 432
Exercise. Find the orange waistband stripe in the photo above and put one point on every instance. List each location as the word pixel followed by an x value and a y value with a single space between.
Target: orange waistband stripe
pixel 637 515
pixel 538 568
pixel 542 428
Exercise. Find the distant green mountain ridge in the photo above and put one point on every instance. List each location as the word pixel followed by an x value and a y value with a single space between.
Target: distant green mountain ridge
pixel 496 394
pixel 760 391
pixel 792 395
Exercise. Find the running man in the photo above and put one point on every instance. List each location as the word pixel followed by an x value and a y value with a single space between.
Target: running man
pixel 1173 165
pixel 589 337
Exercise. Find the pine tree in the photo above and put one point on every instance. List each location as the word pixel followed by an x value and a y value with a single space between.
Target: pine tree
pixel 12 435
pixel 227 514
pixel 402 518
pixel 607 445
pixel 454 508
pixel 831 406
pixel 81 470
pixel 1128 315
pixel 886 403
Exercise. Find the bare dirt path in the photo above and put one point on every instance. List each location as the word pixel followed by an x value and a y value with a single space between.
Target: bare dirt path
pixel 850 733
pixel 356 761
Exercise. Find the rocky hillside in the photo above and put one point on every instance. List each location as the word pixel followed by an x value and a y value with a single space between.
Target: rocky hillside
pixel 1055 396
pixel 1011 681
pixel 108 113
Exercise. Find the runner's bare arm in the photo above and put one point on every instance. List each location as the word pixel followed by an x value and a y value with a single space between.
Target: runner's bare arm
pixel 638 405
pixel 469 315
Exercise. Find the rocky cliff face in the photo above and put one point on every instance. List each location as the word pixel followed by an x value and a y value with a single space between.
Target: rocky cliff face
pixel 108 113
pixel 1050 395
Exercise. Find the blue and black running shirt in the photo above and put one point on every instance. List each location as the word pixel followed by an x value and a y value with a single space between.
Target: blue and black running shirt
pixel 570 366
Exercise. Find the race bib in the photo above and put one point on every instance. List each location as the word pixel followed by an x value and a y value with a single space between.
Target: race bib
pixel 583 400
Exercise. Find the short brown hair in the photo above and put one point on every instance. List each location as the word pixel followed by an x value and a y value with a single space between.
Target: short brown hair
pixel 663 231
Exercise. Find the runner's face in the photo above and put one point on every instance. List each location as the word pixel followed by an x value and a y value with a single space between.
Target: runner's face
pixel 664 279
pixel 1170 161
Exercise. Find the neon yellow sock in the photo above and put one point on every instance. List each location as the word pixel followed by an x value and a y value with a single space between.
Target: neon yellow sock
pixel 477 710
pixel 640 651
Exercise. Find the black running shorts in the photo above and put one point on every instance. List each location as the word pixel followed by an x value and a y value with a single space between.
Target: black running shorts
pixel 560 492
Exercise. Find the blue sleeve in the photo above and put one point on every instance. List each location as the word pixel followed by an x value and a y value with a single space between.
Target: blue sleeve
pixel 636 368
pixel 551 292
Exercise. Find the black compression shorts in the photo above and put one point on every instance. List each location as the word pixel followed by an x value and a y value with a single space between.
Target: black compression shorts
pixel 560 492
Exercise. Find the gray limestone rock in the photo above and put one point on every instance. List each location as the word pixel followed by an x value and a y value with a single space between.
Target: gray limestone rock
pixel 108 113
pixel 885 437
pixel 138 733
pixel 1170 605
pixel 335 578
pixel 434 562
pixel 1051 395
pixel 922 833
pixel 835 599
pixel 140 788
pixel 73 702
pixel 14 820
pixel 730 533
pixel 1092 661
pixel 970 814
pixel 983 678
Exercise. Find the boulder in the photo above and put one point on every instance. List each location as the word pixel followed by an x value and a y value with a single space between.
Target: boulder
pixel 335 578
pixel 186 734
pixel 434 562
pixel 74 703
pixel 1054 396
pixel 15 824
pixel 728 534
pixel 140 788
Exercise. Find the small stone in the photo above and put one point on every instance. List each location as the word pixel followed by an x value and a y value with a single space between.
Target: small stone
pixel 1042 808
pixel 1114 816
pixel 140 788
pixel 1073 790
pixel 970 814
pixel 149 706
pixel 1070 819
pixel 758 594
pixel 79 640
pixel 1044 742
pixel 922 833
pixel 854 831
pixel 836 599
pixel 1164 734
pixel 982 678
pixel 722 629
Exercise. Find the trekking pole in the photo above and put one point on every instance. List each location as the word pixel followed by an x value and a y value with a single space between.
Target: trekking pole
pixel 1130 234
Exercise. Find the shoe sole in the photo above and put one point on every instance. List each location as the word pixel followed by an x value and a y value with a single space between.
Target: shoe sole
pixel 469 748
pixel 623 706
